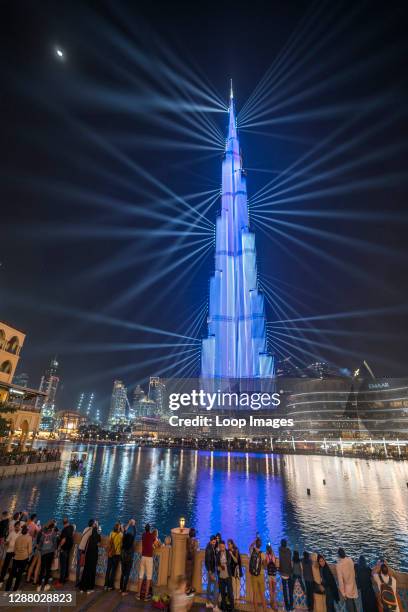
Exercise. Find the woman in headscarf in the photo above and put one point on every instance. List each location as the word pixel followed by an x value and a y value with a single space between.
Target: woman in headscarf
pixel 192 547
pixel 365 586
pixel 91 560
pixel 331 591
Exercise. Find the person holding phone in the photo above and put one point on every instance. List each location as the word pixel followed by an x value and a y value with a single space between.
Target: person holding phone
pixel 224 570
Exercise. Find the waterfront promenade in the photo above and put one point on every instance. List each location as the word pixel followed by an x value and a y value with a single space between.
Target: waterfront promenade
pixel 112 601
pixel 101 601
pixel 29 462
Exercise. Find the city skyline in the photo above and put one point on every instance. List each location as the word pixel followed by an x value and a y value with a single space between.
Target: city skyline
pixel 124 188
pixel 204 305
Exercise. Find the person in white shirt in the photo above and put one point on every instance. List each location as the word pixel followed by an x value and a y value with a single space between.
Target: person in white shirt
pixel 86 534
pixel 346 578
pixel 14 520
pixel 10 543
pixel 387 588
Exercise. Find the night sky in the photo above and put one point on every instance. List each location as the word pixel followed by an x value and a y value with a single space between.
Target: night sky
pixel 73 127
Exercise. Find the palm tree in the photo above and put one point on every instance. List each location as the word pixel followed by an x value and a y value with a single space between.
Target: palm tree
pixel 5 407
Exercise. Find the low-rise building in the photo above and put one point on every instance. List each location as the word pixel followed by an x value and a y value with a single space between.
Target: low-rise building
pixel 68 422
pixel 23 417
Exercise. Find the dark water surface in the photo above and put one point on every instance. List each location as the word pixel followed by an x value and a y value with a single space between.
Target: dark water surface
pixel 363 506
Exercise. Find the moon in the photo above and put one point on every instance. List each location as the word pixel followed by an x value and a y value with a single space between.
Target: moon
pixel 59 53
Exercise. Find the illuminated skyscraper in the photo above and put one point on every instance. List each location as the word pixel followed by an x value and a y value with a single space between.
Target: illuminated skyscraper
pixel 236 344
pixel 86 405
pixel 80 405
pixel 89 406
pixel 142 405
pixel 157 390
pixel 21 380
pixel 49 385
pixel 117 413
pixel 138 396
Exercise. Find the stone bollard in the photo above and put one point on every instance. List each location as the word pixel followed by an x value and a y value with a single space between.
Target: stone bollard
pixel 199 560
pixel 178 553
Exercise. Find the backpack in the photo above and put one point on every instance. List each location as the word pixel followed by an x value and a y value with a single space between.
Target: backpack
pixel 271 566
pixel 255 562
pixel 47 543
pixel 387 595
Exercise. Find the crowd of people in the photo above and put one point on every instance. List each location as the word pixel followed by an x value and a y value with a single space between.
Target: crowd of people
pixel 376 586
pixel 30 549
pixel 18 457
pixel 27 547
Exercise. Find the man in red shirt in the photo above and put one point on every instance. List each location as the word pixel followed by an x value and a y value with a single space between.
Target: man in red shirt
pixel 146 563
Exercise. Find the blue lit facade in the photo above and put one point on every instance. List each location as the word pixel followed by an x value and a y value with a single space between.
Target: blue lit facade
pixel 236 344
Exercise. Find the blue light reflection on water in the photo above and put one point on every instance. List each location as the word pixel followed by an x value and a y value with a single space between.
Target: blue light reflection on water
pixel 363 506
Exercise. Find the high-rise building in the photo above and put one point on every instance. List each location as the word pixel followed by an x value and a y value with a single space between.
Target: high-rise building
pixel 156 394
pixel 85 405
pixel 236 345
pixel 285 367
pixel 118 406
pixel 321 369
pixel 142 405
pixel 97 418
pixel 138 396
pixel 48 385
pixel 21 380
pixel 80 404
pixel 89 406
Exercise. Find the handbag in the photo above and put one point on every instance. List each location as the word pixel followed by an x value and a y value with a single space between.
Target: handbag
pixel 318 588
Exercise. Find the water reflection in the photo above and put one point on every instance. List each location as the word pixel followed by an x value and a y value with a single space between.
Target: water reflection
pixel 362 506
pixel 238 498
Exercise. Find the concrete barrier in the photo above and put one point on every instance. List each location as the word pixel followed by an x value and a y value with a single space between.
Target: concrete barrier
pixel 161 564
pixel 7 471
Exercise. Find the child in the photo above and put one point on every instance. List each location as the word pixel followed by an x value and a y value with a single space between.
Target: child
pixel 180 601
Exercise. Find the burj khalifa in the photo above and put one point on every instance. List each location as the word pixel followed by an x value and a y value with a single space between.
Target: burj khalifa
pixel 235 346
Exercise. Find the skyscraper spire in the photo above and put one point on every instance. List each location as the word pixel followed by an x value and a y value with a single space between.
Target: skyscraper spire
pixel 236 344
pixel 231 91
pixel 232 128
